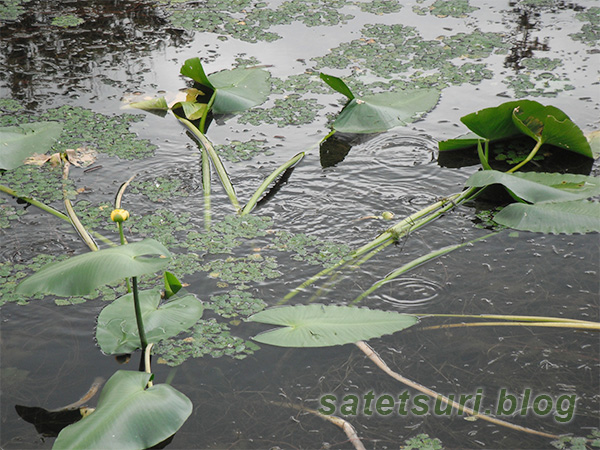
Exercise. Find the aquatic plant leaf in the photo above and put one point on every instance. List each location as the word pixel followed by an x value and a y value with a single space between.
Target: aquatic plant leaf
pixel 551 126
pixel 192 110
pixel 154 104
pixel 594 140
pixel 117 330
pixel 21 141
pixel 338 85
pixel 581 216
pixel 82 274
pixel 129 415
pixel 327 325
pixel 172 285
pixel 536 187
pixel 380 112
pixel 495 123
pixel 239 89
pixel 193 69
pixel 460 142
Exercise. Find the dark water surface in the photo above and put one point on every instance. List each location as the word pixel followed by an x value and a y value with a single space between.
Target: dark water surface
pixel 542 51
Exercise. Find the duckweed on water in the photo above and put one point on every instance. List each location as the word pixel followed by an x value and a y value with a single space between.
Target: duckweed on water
pixel 380 7
pixel 290 111
pixel 44 183
pixel 443 8
pixel 160 189
pixel 8 105
pixel 67 21
pixel 590 31
pixel 238 151
pixel 12 9
pixel 236 303
pixel 208 337
pixel 8 213
pixel 254 268
pixel 310 249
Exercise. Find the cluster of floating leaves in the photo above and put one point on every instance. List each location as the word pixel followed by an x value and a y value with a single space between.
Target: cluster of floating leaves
pixel 160 189
pixel 242 270
pixel 162 225
pixel 250 22
pixel 8 213
pixel 235 303
pixel 293 110
pixel 237 151
pixel 310 249
pixel 43 183
pixel 66 21
pixel 590 31
pixel 12 9
pixel 208 337
pixel 445 8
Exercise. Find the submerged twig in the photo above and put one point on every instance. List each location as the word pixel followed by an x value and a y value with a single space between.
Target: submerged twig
pixel 343 424
pixel 373 356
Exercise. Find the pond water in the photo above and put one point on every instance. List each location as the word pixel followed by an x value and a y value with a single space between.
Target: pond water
pixel 77 61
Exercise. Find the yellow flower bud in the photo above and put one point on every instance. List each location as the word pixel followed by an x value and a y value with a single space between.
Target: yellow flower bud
pixel 119 215
pixel 387 215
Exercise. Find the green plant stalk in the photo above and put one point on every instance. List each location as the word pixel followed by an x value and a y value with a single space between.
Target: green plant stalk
pixel 50 210
pixel 573 325
pixel 123 242
pixel 529 157
pixel 265 184
pixel 221 172
pixel 83 234
pixel 412 222
pixel 138 316
pixel 206 189
pixel 483 155
pixel 507 317
pixel 206 111
pixel 418 261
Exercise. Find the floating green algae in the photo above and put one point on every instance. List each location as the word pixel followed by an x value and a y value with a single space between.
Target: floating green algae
pixel 310 249
pixel 9 105
pixel 237 151
pixel 380 7
pixel 293 110
pixel 8 213
pixel 160 189
pixel 445 8
pixel 11 10
pixel 67 21
pixel 253 268
pixel 590 31
pixel 43 183
pixel 235 303
pixel 207 338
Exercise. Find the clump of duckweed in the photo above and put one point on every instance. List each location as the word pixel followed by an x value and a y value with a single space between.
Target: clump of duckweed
pixel 380 7
pixel 545 84
pixel 289 111
pixel 8 213
pixel 94 217
pixel 445 8
pixel 67 21
pixel 207 337
pixel 398 51
pixel 235 303
pixel 160 189
pixel 422 441
pixel 237 151
pixel 310 249
pixel 43 183
pixel 12 9
pixel 162 225
pixel 9 105
pixel 590 31
pixel 253 268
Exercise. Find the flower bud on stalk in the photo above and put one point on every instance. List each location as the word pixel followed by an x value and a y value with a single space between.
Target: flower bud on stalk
pixel 119 215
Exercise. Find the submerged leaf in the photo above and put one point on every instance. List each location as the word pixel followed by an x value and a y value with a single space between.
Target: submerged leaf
pixel 540 187
pixel 129 415
pixel 580 216
pixel 82 274
pixel 21 141
pixel 117 330
pixel 327 325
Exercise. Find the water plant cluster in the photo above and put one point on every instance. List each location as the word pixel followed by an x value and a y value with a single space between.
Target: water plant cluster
pixel 152 306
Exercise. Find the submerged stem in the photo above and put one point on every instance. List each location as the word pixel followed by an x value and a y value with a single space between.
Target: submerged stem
pixel 529 157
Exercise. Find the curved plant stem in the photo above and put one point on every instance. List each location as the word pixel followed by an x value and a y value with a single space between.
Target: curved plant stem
pixel 367 350
pixel 343 424
pixel 220 169
pixel 418 261
pixel 121 191
pixel 265 184
pixel 51 210
pixel 147 357
pixel 573 325
pixel 83 234
pixel 529 157
pixel 506 317
pixel 206 189
pixel 138 315
pixel 206 111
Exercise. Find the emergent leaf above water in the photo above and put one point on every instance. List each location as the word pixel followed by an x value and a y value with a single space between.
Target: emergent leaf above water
pixel 380 112
pixel 20 142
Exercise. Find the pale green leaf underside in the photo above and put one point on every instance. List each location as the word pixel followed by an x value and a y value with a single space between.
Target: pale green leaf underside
pixel 239 89
pixel 82 274
pixel 128 415
pixel 327 325
pixel 117 330
pixel 21 141
pixel 580 216
pixel 540 187
pixel 381 112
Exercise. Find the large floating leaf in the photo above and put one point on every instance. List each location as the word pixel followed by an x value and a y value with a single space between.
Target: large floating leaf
pixel 128 415
pixel 82 274
pixel 545 124
pixel 117 330
pixel 21 141
pixel 540 187
pixel 581 216
pixel 327 325
pixel 235 90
